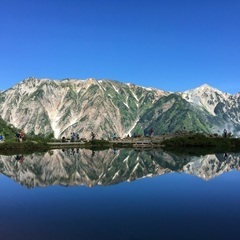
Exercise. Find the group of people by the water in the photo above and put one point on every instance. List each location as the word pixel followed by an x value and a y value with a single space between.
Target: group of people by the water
pixel 20 136
pixel 115 137
pixel 226 133
pixel 93 136
pixel 74 137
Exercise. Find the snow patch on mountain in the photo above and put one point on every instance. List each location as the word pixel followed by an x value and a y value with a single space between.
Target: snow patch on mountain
pixel 115 89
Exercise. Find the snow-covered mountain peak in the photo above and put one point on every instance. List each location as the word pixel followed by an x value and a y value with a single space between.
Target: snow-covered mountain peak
pixel 205 90
pixel 205 96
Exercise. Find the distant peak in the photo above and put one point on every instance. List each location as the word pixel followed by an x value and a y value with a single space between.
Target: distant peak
pixel 203 88
pixel 206 86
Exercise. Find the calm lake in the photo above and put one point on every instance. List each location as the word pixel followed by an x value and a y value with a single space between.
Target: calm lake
pixel 119 194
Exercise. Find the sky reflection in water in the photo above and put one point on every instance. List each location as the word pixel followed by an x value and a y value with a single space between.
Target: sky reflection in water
pixel 175 205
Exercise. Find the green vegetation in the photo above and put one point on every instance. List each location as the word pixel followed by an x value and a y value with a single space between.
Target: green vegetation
pixel 8 131
pixel 172 113
pixel 97 145
pixel 31 142
pixel 12 147
pixel 41 138
pixel 193 142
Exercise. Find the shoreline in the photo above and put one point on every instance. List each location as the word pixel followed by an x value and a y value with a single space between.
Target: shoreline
pixel 170 142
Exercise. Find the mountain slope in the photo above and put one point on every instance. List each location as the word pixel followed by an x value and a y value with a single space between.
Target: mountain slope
pixel 224 106
pixel 61 107
pixel 173 113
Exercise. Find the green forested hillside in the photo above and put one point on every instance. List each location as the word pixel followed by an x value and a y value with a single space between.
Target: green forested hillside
pixel 171 114
pixel 7 130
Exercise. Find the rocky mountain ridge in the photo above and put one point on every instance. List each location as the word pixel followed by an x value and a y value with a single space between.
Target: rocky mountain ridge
pixel 59 107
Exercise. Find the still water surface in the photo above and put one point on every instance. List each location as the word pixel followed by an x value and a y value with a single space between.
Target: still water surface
pixel 121 194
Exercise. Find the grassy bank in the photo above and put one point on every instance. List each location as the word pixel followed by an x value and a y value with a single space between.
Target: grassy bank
pixel 188 143
pixel 96 145
pixel 92 144
pixel 202 143
pixel 10 147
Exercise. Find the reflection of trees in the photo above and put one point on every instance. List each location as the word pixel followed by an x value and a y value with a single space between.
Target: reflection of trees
pixel 85 167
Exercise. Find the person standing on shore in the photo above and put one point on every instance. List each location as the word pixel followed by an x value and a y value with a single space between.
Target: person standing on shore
pixel 151 132
pixel 93 136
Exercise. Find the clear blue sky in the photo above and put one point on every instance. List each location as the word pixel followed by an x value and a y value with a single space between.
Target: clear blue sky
pixel 174 45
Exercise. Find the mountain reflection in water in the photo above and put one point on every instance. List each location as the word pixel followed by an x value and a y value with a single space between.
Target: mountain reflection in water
pixel 73 167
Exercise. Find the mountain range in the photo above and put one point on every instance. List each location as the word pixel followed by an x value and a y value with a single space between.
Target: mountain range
pixel 60 107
